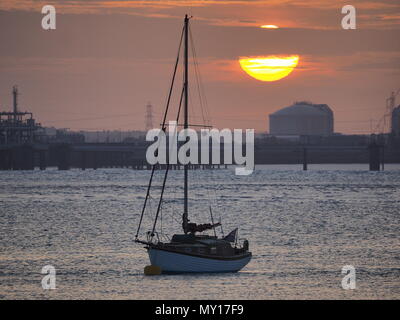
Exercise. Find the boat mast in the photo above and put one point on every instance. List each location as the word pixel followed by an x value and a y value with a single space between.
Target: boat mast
pixel 186 123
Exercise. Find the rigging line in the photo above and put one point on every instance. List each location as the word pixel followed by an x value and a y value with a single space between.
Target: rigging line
pixel 172 213
pixel 161 218
pixel 212 200
pixel 173 79
pixel 207 111
pixel 196 74
pixel 203 105
pixel 193 112
pixel 163 128
pixel 150 206
pixel 212 221
pixel 173 209
pixel 145 201
pixel 200 81
pixel 166 173
pixel 180 106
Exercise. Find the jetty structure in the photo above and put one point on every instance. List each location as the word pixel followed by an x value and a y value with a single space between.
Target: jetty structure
pixel 25 144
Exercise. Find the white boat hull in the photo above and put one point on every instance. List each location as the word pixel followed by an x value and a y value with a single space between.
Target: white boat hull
pixel 173 262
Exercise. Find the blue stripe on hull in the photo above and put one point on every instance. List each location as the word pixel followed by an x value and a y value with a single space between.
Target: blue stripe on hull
pixel 180 263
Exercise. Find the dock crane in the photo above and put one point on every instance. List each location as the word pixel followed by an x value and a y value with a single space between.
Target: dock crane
pixel 383 123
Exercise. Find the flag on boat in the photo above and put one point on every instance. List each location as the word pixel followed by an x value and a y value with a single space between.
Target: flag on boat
pixel 231 236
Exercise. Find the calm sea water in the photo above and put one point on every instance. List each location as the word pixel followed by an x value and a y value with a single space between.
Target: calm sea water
pixel 303 227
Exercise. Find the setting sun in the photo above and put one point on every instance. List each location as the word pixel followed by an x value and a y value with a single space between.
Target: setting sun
pixel 269 26
pixel 269 68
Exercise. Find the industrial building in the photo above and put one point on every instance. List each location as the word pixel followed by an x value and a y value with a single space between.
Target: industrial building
pixel 17 127
pixel 396 121
pixel 302 118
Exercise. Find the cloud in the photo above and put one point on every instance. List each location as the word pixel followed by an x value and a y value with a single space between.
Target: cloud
pixel 122 36
pixel 314 14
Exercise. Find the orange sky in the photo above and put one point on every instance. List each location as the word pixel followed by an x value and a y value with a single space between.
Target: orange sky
pixel 107 59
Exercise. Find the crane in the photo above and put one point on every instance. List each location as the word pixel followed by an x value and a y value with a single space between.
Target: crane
pixel 390 105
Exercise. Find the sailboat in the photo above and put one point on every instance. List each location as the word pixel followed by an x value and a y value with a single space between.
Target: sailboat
pixel 191 251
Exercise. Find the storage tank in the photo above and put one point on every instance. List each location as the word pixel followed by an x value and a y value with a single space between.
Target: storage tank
pixel 302 118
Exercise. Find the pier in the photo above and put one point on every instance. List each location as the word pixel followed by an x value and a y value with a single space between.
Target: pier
pixel 65 156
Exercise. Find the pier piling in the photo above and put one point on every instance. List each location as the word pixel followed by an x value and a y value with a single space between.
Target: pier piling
pixel 374 156
pixel 305 160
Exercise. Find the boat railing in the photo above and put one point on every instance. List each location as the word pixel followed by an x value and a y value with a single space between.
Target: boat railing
pixel 155 237
pixel 150 237
pixel 242 243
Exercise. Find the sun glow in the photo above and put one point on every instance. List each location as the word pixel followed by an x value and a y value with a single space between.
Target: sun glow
pixel 269 26
pixel 269 68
